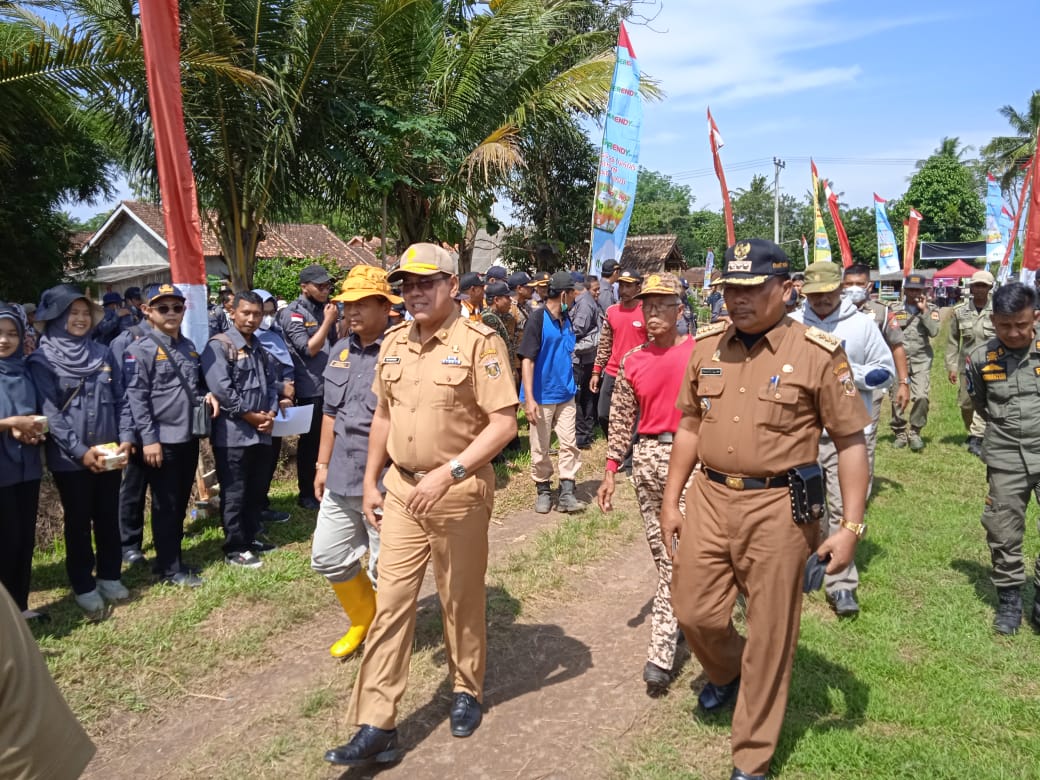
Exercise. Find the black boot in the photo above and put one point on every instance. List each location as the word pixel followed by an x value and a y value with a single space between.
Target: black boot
pixel 543 503
pixel 369 746
pixel 1009 611
pixel 1035 616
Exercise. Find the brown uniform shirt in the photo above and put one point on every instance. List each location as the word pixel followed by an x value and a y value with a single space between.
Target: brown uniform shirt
pixel 440 394
pixel 761 412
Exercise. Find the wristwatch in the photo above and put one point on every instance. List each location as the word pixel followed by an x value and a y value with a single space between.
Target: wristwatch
pixel 857 528
pixel 457 470
pixel 904 381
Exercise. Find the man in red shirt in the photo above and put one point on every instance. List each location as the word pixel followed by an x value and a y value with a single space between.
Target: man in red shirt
pixel 623 329
pixel 645 392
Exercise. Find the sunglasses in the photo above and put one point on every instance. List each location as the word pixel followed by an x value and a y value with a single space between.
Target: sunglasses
pixel 166 308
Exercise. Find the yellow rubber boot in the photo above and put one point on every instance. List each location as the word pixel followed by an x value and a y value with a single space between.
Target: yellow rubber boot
pixel 359 602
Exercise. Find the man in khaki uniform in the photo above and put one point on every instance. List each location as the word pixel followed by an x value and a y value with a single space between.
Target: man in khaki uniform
pixel 919 320
pixel 970 325
pixel 756 395
pixel 445 407
pixel 1003 379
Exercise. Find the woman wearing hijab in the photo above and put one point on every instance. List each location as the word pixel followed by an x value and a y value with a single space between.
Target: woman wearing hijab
pixel 20 469
pixel 81 390
pixel 281 362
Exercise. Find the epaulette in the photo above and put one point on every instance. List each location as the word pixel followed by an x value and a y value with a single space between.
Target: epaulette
pixel 397 327
pixel 823 339
pixel 711 330
pixel 480 327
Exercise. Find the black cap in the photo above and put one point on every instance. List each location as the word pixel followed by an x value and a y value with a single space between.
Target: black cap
pixel 560 281
pixel 111 297
pixel 540 278
pixel 496 272
pixel 132 292
pixel 915 281
pixel 315 274
pixel 470 279
pixel 610 266
pixel 495 289
pixel 631 275
pixel 154 292
pixel 753 262
pixel 518 279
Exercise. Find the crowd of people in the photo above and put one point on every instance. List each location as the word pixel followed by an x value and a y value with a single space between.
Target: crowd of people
pixel 750 445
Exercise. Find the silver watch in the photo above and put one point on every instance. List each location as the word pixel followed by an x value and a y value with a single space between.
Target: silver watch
pixel 458 471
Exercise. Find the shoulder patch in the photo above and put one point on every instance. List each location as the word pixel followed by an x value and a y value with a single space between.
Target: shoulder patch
pixel 711 330
pixel 480 327
pixel 823 339
pixel 398 327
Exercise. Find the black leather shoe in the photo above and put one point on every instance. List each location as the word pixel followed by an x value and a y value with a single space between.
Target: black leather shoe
pixel 369 746
pixel 738 775
pixel 657 680
pixel 714 697
pixel 1035 615
pixel 844 603
pixel 308 502
pixel 465 715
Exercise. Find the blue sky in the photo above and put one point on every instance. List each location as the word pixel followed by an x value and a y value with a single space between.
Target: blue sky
pixel 877 83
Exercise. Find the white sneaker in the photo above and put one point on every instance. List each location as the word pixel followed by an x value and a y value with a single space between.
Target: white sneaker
pixel 112 590
pixel 245 560
pixel 91 602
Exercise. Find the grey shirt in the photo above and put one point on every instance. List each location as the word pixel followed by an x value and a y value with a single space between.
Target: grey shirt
pixel 159 406
pixel 239 376
pixel 607 297
pixel 300 320
pixel 349 398
pixel 586 319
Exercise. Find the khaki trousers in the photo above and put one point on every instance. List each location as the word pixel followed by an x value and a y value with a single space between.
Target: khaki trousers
pixel 562 419
pixel 455 539
pixel 743 541
pixel 920 385
pixel 849 578
pixel 1004 519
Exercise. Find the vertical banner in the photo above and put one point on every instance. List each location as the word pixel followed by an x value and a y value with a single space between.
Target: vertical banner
pixel 1031 244
pixel 709 266
pixel 715 139
pixel 888 255
pixel 619 159
pixel 1005 265
pixel 839 228
pixel 1005 224
pixel 160 32
pixel 910 228
pixel 821 244
pixel 805 250
pixel 994 238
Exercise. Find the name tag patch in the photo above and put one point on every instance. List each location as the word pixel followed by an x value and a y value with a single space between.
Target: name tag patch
pixel 451 361
pixel 711 372
pixel 391 359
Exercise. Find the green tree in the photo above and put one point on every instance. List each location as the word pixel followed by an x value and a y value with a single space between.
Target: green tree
pixel 1005 156
pixel 661 206
pixel 944 191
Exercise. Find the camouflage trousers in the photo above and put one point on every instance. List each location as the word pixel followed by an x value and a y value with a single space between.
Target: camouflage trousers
pixel 649 472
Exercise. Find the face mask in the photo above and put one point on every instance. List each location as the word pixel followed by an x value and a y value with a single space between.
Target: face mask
pixel 267 322
pixel 563 307
pixel 855 294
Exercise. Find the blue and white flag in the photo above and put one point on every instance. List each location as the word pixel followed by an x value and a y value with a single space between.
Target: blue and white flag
pixel 888 255
pixel 709 266
pixel 995 245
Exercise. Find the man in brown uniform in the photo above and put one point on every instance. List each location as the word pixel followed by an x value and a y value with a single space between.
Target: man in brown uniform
pixel 756 396
pixel 445 408
pixel 970 325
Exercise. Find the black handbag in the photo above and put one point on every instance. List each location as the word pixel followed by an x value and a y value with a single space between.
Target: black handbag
pixel 201 420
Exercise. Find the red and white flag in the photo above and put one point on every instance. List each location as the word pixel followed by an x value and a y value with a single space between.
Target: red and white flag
pixel 839 228
pixel 1031 245
pixel 715 138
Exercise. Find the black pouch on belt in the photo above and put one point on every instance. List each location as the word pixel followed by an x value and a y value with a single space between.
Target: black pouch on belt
pixel 808 496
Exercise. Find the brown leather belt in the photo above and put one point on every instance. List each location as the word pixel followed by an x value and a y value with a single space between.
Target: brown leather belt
pixel 665 438
pixel 746 483
pixel 415 476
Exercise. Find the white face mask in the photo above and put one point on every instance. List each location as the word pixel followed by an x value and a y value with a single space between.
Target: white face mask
pixel 854 294
pixel 267 322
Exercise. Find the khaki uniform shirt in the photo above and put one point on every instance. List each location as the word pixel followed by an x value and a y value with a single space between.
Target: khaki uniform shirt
pixel 968 329
pixel 918 331
pixel 439 395
pixel 761 412
pixel 1005 388
pixel 885 319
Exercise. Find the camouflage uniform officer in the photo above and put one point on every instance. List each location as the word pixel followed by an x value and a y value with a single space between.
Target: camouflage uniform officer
pixel 970 326
pixel 444 408
pixel 1003 378
pixel 755 398
pixel 919 320
pixel 647 385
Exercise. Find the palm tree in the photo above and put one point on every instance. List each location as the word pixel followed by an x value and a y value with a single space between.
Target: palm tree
pixel 948 147
pixel 1007 155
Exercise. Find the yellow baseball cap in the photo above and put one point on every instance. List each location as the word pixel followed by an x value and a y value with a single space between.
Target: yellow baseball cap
pixel 423 259
pixel 661 284
pixel 365 281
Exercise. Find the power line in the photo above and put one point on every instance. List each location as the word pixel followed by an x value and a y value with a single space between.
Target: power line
pixel 745 165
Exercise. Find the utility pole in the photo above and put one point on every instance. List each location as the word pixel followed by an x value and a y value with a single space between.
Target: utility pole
pixel 778 164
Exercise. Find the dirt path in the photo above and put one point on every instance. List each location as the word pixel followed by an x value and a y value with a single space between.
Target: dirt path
pixel 563 686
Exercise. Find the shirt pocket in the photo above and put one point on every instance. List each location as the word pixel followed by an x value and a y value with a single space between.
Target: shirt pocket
pixel 709 391
pixel 390 376
pixel 778 407
pixel 336 385
pixel 451 386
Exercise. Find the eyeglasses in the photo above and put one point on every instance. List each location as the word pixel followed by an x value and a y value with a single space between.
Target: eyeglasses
pixel 166 308
pixel 421 285
pixel 655 308
pixel 323 285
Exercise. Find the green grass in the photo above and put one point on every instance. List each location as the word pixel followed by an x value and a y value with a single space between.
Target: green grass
pixel 919 685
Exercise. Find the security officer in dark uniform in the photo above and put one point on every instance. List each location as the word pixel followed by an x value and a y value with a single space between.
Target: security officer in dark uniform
pixel 238 374
pixel 756 396
pixel 1003 378
pixel 309 327
pixel 134 487
pixel 162 391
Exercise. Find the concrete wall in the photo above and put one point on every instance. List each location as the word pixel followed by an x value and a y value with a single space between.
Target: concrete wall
pixel 130 245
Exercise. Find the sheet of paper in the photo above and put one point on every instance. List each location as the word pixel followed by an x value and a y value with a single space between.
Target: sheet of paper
pixel 293 421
